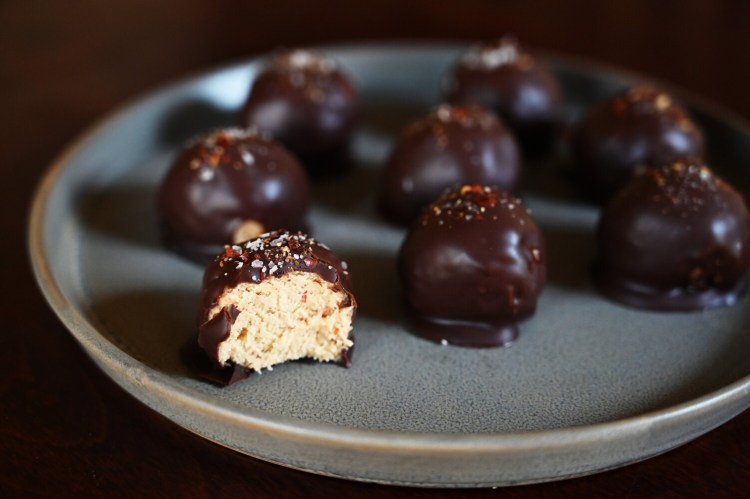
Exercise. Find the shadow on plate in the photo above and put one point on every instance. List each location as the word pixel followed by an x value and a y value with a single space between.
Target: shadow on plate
pixel 388 117
pixel 191 118
pixel 152 326
pixel 346 193
pixel 127 213
pixel 570 252
pixel 376 286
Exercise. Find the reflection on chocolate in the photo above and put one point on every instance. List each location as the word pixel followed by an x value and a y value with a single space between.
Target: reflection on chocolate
pixel 641 126
pixel 675 237
pixel 472 266
pixel 228 186
pixel 503 76
pixel 305 102
pixel 450 146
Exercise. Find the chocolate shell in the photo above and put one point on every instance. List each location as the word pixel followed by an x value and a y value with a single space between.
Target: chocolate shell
pixel 675 237
pixel 503 76
pixel 303 100
pixel 236 288
pixel 450 146
pixel 228 186
pixel 472 267
pixel 639 127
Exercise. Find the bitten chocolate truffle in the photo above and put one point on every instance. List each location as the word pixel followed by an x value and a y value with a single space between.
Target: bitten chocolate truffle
pixel 472 267
pixel 229 186
pixel 503 76
pixel 641 126
pixel 303 100
pixel 280 297
pixel 452 145
pixel 675 237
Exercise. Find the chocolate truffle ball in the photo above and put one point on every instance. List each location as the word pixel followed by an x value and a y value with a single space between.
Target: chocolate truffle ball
pixel 280 297
pixel 675 237
pixel 472 267
pixel 452 145
pixel 228 186
pixel 504 77
pixel 305 102
pixel 641 126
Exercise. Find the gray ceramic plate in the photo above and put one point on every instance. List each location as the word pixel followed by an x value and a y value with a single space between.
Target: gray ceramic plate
pixel 589 386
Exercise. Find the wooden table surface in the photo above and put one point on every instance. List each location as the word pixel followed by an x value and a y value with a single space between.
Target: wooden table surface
pixel 65 428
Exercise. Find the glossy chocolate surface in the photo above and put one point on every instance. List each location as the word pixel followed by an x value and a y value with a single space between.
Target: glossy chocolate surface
pixel 503 76
pixel 675 238
pixel 452 145
pixel 212 333
pixel 226 185
pixel 472 267
pixel 305 102
pixel 267 257
pixel 641 126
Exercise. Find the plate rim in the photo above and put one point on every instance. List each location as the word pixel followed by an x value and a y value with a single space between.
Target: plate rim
pixel 734 397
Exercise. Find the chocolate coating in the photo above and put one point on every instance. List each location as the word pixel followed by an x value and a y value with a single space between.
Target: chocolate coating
pixel 269 256
pixel 503 76
pixel 674 238
pixel 305 102
pixel 450 146
pixel 472 266
pixel 641 126
pixel 228 186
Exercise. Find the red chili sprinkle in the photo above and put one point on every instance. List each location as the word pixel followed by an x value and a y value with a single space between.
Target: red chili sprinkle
pixel 310 261
pixel 488 199
pixel 222 140
pixel 459 114
pixel 230 252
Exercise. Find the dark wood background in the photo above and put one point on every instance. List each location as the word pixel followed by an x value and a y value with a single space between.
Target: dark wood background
pixel 66 429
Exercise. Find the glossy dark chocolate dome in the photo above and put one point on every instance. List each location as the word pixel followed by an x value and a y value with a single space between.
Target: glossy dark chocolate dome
pixel 472 266
pixel 503 76
pixel 228 186
pixel 452 145
pixel 641 126
pixel 305 102
pixel 675 238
